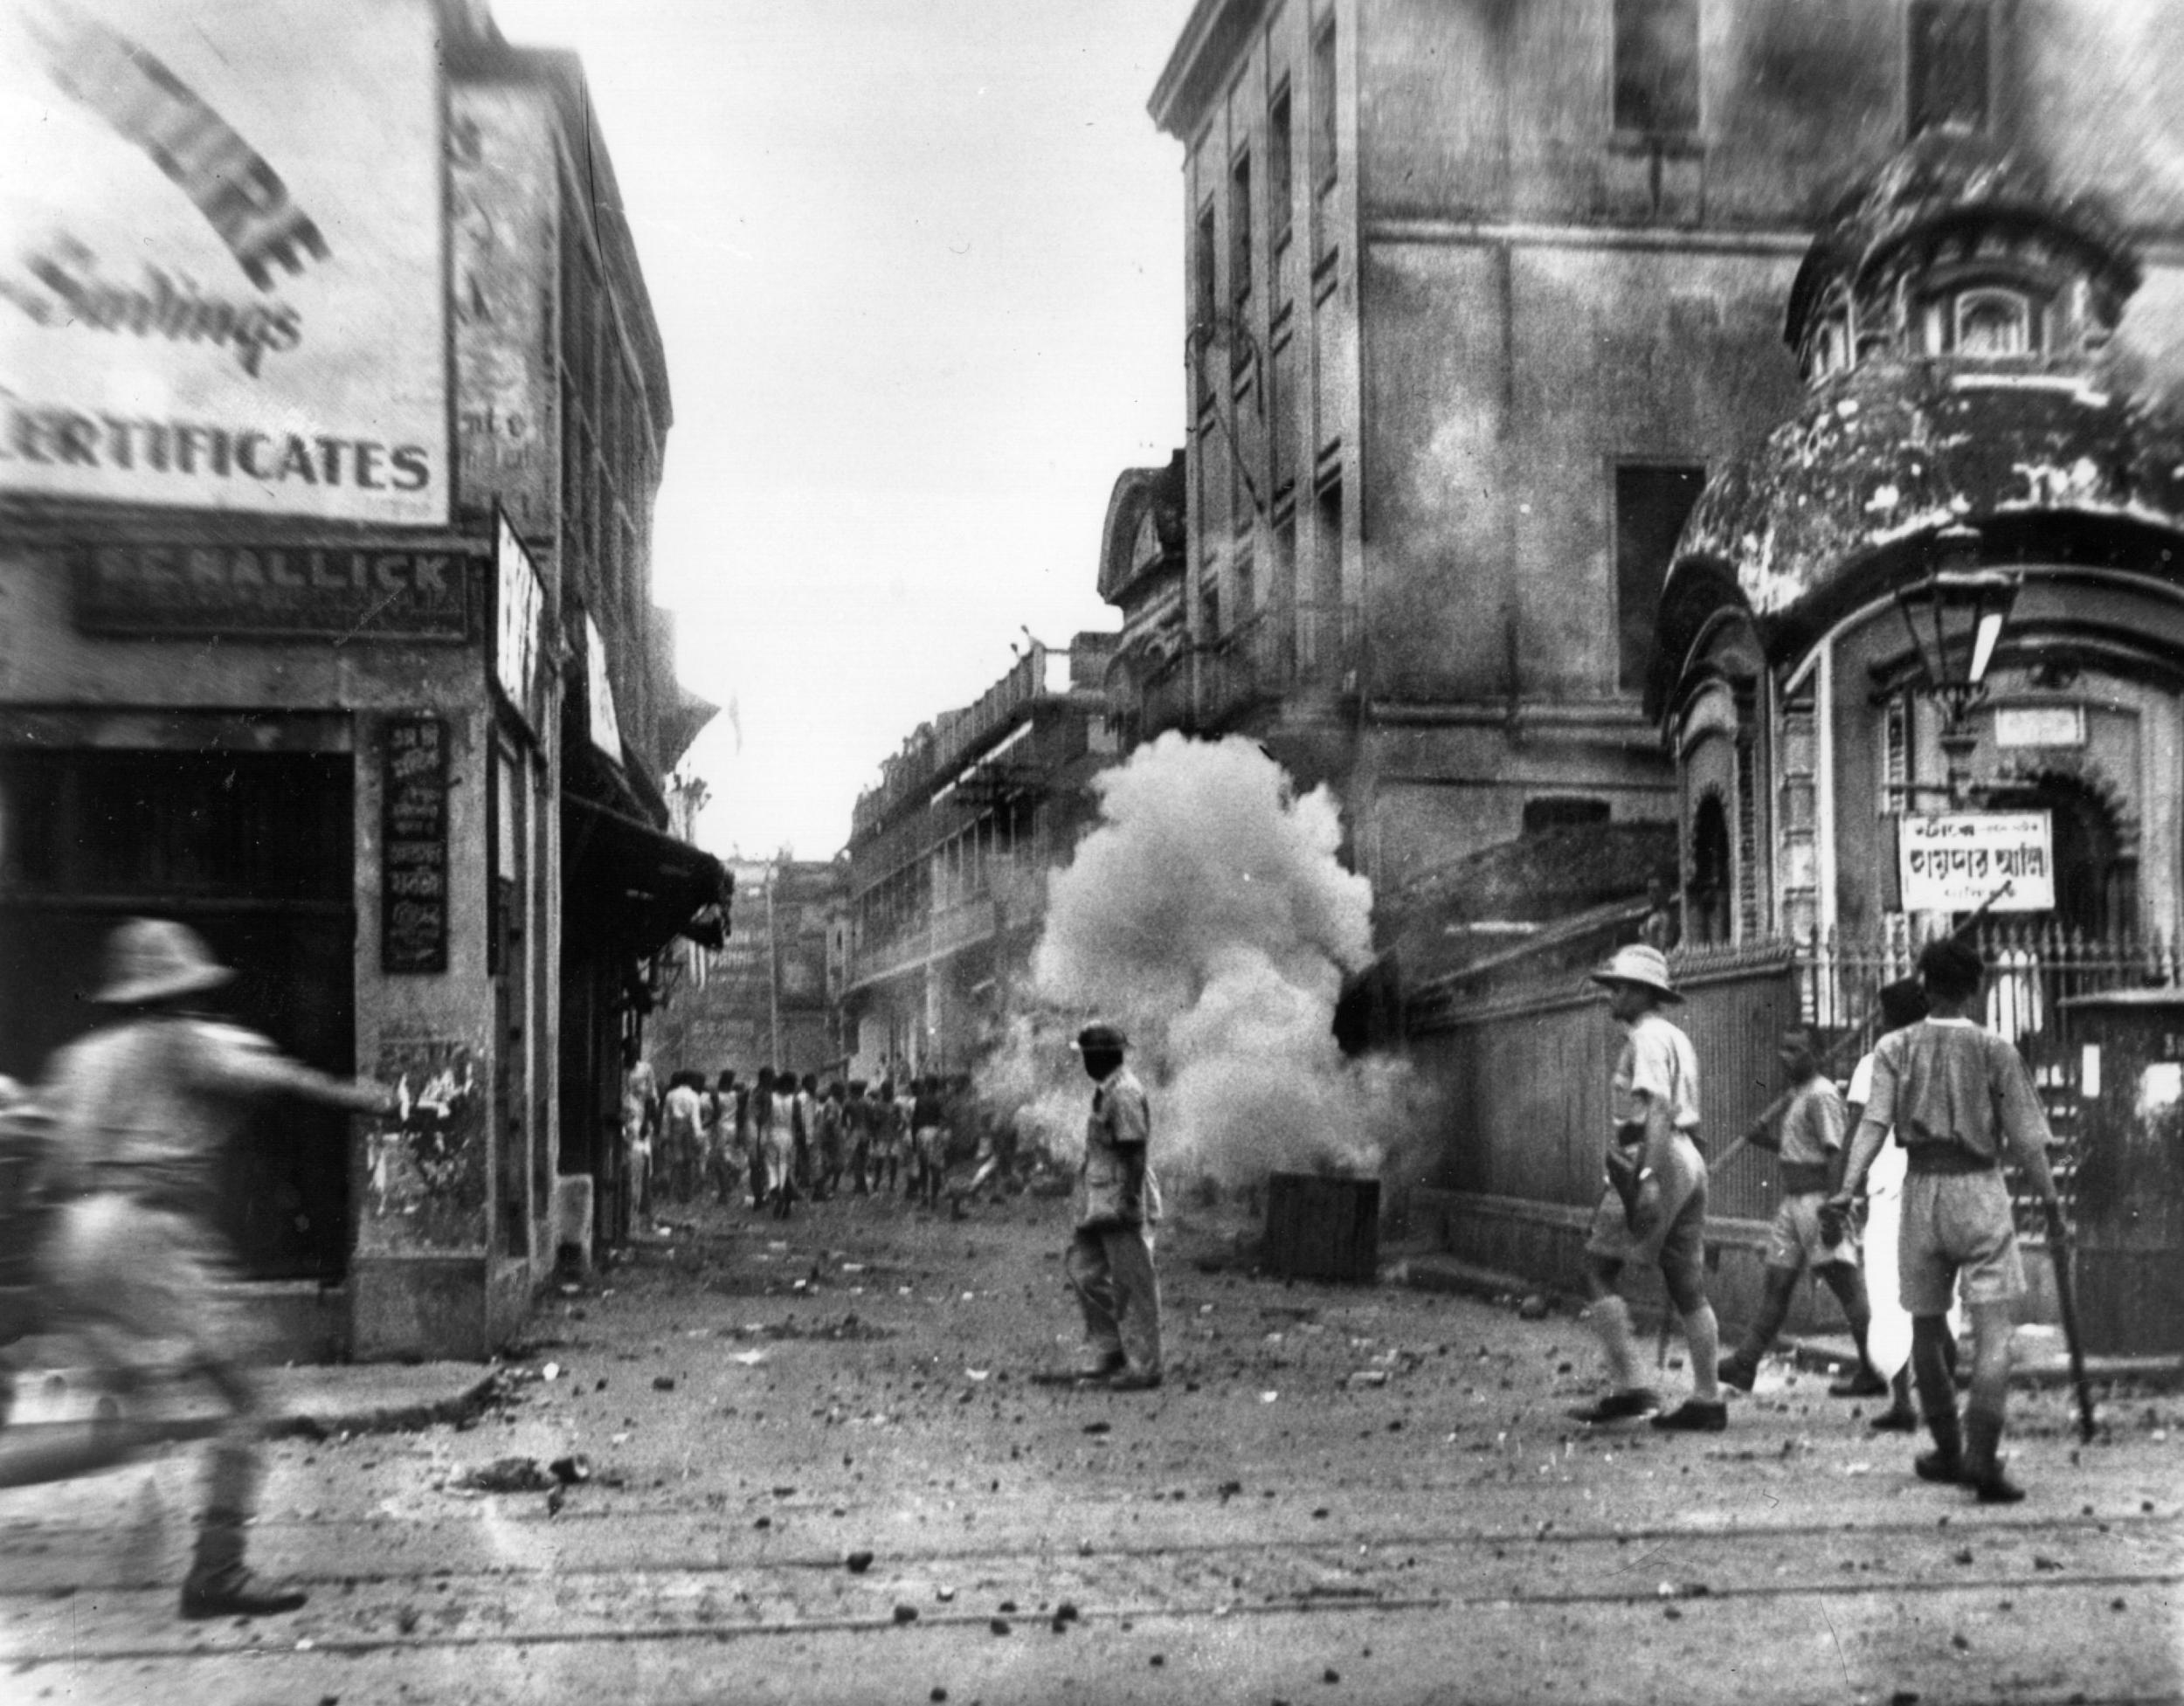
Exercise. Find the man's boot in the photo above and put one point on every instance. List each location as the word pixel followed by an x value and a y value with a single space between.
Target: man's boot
pixel 1982 1461
pixel 1901 1416
pixel 219 1583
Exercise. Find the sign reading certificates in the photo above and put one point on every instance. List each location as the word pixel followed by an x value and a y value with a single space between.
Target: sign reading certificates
pixel 1956 863
pixel 221 256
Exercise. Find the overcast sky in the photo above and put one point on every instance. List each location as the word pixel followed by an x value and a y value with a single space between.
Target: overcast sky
pixel 918 266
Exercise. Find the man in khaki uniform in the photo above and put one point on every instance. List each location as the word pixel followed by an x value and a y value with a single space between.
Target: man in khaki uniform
pixel 1109 1261
pixel 141 1110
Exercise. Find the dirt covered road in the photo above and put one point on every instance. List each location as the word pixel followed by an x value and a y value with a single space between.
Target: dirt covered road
pixel 810 1463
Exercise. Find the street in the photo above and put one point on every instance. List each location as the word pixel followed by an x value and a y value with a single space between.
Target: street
pixel 814 1466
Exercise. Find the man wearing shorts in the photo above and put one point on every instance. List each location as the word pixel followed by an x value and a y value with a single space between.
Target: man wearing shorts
pixel 1959 1099
pixel 1654 1209
pixel 1809 1143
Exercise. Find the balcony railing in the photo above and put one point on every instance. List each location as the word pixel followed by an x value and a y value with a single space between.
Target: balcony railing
pixel 1275 657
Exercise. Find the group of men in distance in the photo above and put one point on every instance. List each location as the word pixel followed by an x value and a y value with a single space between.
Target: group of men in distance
pixel 1950 1102
pixel 769 1143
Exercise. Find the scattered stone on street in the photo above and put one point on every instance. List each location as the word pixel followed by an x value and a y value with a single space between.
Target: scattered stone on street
pixel 887 1505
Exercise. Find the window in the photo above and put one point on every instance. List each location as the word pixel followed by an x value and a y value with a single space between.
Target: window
pixel 1280 168
pixel 1323 155
pixel 1246 601
pixel 1204 298
pixel 1947 65
pixel 1281 416
pixel 1327 549
pixel 1209 603
pixel 1994 322
pixel 1656 66
pixel 1652 504
pixel 1240 234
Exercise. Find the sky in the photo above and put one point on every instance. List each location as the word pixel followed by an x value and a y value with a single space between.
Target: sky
pixel 918 267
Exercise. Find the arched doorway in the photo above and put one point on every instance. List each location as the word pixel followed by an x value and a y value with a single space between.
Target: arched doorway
pixel 1707 911
pixel 2095 873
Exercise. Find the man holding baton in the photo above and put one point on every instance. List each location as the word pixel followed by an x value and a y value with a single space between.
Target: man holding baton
pixel 1960 1100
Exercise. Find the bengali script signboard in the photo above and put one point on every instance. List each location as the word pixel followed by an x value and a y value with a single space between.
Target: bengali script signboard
pixel 413 845
pixel 221 275
pixel 1959 862
pixel 519 604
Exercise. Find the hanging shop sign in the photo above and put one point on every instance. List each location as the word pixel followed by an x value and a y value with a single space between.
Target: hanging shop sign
pixel 1959 862
pixel 270 593
pixel 221 256
pixel 606 728
pixel 519 605
pixel 413 845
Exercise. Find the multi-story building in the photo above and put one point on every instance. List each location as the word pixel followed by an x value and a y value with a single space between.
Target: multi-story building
pixel 1478 296
pixel 950 857
pixel 327 625
pixel 770 994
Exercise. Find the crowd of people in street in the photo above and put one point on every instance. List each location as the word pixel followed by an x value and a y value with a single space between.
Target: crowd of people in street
pixel 782 1139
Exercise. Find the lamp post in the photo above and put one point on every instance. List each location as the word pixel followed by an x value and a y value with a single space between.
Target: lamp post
pixel 1955 614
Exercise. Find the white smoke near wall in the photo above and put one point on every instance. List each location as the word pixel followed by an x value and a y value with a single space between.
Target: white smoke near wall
pixel 1209 915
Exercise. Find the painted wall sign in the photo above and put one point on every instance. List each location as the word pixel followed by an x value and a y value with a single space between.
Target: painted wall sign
pixel 286 592
pixel 2040 725
pixel 501 181
pixel 413 845
pixel 424 1165
pixel 606 728
pixel 1955 861
pixel 519 604
pixel 221 256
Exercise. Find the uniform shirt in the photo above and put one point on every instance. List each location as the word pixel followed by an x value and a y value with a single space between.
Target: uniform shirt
pixel 1657 1060
pixel 1812 1133
pixel 639 1089
pixel 683 1115
pixel 1948 1082
pixel 146 1106
pixel 1116 1185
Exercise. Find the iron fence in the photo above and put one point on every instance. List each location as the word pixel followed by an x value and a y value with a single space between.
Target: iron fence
pixel 1527 1065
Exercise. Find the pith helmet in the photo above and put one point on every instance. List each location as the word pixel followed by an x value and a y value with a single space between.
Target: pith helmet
pixel 1642 966
pixel 1101 1039
pixel 154 959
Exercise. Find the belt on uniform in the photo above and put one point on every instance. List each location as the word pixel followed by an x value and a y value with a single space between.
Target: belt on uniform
pixel 1946 1158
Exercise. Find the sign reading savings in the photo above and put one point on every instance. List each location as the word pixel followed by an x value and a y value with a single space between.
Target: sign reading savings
pixel 220 257
pixel 1959 862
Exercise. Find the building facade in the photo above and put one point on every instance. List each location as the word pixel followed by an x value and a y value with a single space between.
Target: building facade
pixel 770 994
pixel 949 858
pixel 323 591
pixel 1479 297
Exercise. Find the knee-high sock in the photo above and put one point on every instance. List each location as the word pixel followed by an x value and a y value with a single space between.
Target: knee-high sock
pixel 1703 1333
pixel 1611 1320
pixel 1937 1389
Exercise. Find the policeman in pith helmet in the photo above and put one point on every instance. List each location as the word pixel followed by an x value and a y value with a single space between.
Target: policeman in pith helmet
pixel 1654 1209
pixel 140 1110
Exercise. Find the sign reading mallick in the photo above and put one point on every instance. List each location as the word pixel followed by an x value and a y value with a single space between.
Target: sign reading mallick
pixel 1959 862
pixel 221 277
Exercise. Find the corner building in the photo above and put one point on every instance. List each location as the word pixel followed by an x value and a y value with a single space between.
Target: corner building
pixel 332 635
pixel 1479 296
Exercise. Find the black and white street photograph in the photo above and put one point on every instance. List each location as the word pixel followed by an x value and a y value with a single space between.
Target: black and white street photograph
pixel 872 852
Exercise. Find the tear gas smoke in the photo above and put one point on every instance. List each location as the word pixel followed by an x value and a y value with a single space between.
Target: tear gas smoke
pixel 1209 915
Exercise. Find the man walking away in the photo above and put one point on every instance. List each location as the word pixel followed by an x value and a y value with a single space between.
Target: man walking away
pixel 1109 1261
pixel 1959 1097
pixel 1809 1141
pixel 141 1110
pixel 1654 1208
pixel 640 1102
pixel 723 1157
pixel 929 1139
pixel 757 1119
pixel 681 1119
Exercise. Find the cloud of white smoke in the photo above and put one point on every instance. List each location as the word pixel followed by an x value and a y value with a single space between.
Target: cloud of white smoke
pixel 1210 916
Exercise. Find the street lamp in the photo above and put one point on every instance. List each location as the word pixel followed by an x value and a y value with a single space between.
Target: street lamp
pixel 1955 614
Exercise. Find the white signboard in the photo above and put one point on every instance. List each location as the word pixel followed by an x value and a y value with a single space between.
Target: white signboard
pixel 606 728
pixel 520 597
pixel 1958 861
pixel 221 275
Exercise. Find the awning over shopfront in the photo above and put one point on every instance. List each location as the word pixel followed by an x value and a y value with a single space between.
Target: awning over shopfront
pixel 642 888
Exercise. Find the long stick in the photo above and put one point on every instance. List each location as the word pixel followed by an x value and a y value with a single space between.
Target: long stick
pixel 1832 1058
pixel 2066 1300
